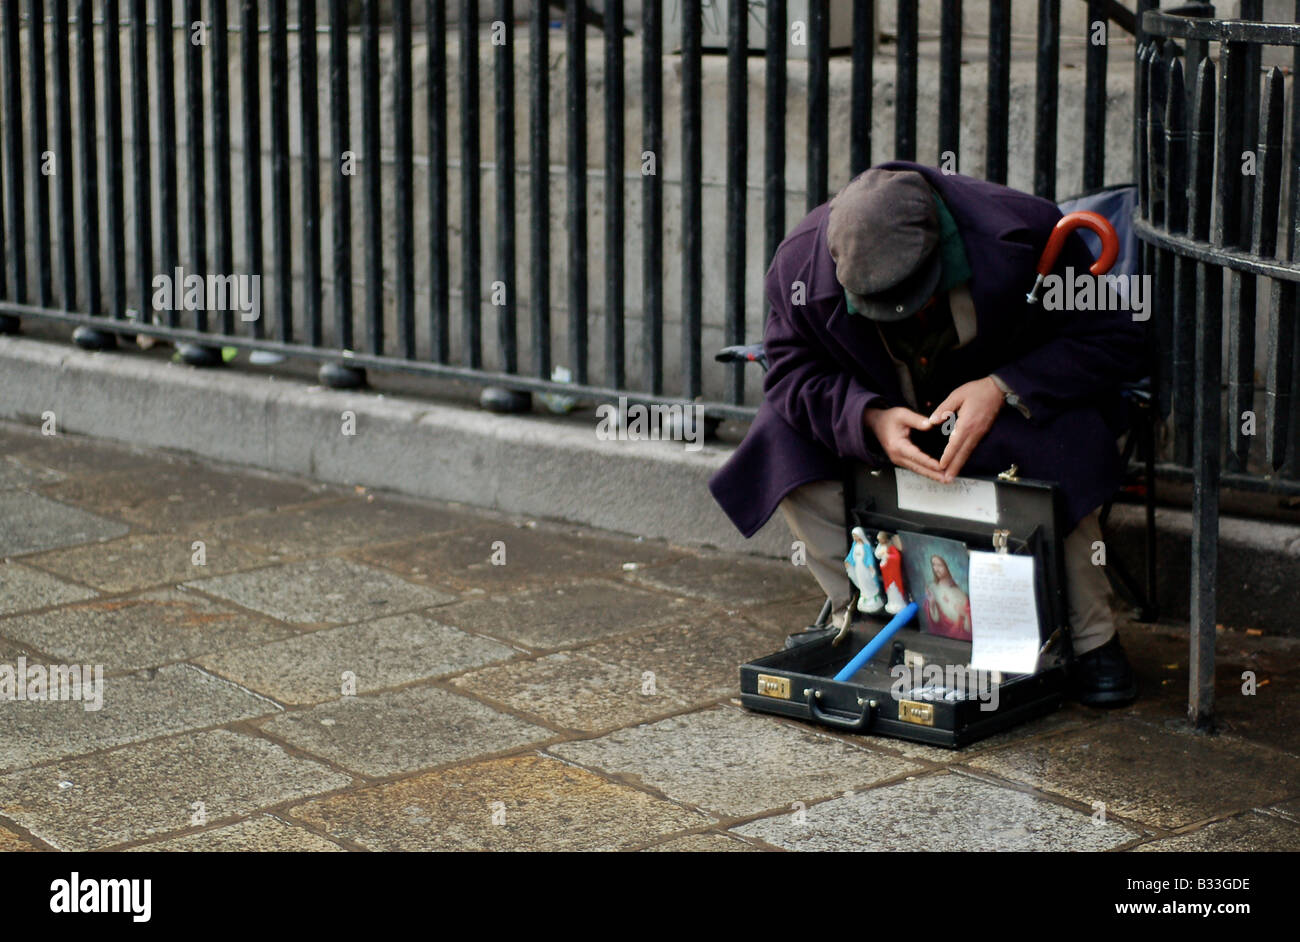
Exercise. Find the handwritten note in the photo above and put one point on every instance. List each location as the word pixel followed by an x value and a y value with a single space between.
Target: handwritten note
pixel 1003 613
pixel 964 498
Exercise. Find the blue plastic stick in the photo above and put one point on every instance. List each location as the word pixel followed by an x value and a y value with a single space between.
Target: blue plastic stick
pixel 878 642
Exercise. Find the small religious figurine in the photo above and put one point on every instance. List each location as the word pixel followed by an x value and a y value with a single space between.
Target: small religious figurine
pixel 891 573
pixel 860 564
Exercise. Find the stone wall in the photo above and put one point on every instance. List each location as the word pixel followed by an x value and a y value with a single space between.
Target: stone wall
pixel 715 145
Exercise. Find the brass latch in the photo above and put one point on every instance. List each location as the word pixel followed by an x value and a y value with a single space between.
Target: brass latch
pixel 912 711
pixel 1010 474
pixel 770 686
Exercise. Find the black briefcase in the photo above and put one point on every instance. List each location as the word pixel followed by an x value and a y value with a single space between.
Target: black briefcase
pixel 1006 514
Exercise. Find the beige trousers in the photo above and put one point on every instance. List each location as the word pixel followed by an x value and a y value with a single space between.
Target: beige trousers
pixel 815 513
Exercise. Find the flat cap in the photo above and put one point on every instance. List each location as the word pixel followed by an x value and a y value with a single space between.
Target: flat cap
pixel 883 232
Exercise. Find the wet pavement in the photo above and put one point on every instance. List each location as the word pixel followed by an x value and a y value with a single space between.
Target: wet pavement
pixel 296 666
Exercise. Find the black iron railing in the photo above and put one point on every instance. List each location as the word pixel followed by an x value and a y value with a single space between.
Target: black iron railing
pixel 195 198
pixel 1214 187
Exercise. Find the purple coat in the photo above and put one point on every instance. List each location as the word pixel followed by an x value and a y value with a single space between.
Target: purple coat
pixel 828 365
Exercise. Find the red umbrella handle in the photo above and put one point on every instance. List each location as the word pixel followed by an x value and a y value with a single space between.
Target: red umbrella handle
pixel 1082 219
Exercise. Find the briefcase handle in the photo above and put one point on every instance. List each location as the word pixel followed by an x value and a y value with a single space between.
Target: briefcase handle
pixel 853 723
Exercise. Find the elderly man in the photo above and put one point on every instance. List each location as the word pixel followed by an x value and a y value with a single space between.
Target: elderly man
pixel 900 303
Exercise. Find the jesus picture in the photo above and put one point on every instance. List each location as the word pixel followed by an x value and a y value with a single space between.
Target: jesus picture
pixel 937 575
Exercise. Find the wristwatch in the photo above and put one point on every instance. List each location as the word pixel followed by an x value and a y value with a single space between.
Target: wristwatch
pixel 1009 396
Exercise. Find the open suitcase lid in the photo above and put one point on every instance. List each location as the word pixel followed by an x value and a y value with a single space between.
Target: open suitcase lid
pixel 978 511
pixel 799 681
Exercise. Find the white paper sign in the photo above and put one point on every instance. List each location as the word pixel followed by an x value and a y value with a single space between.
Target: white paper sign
pixel 1003 613
pixel 964 498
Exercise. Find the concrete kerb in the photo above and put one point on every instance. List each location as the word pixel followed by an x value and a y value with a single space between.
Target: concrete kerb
pixel 526 465
pixel 517 464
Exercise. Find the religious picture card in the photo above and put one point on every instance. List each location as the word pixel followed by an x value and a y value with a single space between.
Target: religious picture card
pixel 937 571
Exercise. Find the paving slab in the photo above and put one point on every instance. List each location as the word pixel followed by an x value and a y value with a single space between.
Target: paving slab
pixel 1256 684
pixel 30 523
pixel 505 556
pixel 580 632
pixel 386 652
pixel 141 560
pixel 23 589
pixel 149 789
pixel 15 437
pixel 143 630
pixel 694 759
pixel 1252 831
pixel 181 494
pixel 540 803
pixel 260 834
pixel 321 592
pixel 736 584
pixel 352 520
pixel 15 474
pixel 1287 809
pixel 709 843
pixel 77 454
pixel 779 619
pixel 1158 776
pixel 133 707
pixel 617 682
pixel 403 730
pixel 11 842
pixel 9 652
pixel 945 811
pixel 564 616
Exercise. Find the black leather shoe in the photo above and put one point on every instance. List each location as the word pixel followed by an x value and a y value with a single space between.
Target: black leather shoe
pixel 1103 678
pixel 809 635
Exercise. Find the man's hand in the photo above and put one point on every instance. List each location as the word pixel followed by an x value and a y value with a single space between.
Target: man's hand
pixel 893 428
pixel 976 405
